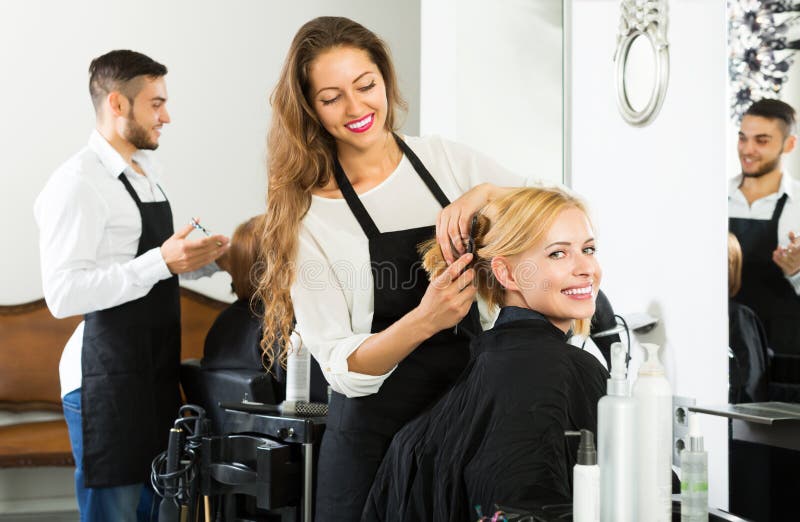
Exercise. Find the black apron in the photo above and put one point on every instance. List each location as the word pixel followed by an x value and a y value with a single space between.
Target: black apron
pixel 359 430
pixel 130 363
pixel 764 287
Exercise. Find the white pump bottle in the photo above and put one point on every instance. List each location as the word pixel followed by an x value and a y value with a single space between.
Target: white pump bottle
pixel 616 444
pixel 653 396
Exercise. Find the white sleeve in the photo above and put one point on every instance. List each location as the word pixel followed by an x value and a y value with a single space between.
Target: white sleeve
pixel 204 271
pixel 794 280
pixel 324 322
pixel 72 220
pixel 472 168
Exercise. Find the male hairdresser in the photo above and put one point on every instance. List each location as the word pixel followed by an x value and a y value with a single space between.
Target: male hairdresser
pixel 764 214
pixel 108 252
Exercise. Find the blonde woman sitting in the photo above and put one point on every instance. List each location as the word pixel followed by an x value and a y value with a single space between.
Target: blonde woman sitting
pixel 498 435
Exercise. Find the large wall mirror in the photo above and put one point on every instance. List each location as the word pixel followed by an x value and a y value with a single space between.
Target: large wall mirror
pixel 764 309
pixel 489 75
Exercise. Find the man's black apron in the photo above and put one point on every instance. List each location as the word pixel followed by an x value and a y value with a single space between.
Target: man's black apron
pixel 130 363
pixel 766 290
pixel 764 287
pixel 359 430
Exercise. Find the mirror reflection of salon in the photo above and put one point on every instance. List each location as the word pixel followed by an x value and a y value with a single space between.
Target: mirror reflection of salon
pixel 764 216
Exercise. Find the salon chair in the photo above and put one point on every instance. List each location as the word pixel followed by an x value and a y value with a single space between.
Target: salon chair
pixel 784 380
pixel 604 328
pixel 209 387
pixel 256 464
pixel 762 479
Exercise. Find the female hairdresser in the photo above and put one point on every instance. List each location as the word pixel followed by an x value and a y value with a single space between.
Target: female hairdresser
pixel 348 203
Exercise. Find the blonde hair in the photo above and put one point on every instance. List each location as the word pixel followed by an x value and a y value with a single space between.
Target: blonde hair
pixel 734 265
pixel 507 226
pixel 300 159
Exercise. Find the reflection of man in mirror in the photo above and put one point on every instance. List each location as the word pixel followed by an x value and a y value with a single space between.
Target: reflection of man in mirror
pixel 764 214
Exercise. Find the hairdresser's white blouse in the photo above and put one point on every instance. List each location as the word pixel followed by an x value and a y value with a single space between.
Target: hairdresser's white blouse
pixel 332 293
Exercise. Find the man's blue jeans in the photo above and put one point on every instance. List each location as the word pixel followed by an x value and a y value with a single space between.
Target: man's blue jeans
pixel 134 503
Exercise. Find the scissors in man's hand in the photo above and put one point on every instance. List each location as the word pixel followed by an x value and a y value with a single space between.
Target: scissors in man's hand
pixel 196 224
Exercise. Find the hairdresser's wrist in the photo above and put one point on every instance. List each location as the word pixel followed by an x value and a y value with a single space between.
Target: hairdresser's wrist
pixel 493 191
pixel 419 325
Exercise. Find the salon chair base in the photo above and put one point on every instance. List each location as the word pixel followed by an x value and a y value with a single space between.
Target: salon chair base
pixel 251 478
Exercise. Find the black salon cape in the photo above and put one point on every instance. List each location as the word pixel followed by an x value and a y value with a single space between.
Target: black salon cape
pixel 233 341
pixel 748 369
pixel 498 435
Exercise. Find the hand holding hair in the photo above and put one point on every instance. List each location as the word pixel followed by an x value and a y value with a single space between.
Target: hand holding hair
pixel 454 221
pixel 449 296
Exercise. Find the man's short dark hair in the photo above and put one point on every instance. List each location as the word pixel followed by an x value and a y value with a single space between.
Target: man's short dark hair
pixel 774 110
pixel 116 70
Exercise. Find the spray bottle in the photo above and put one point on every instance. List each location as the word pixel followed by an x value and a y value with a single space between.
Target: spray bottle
pixel 653 397
pixel 694 476
pixel 616 444
pixel 586 481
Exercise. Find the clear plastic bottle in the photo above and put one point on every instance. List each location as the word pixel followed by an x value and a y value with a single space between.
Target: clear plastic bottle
pixel 694 476
pixel 616 444
pixel 653 396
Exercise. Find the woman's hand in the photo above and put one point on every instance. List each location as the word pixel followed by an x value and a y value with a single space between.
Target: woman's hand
pixel 452 225
pixel 448 297
pixel 445 303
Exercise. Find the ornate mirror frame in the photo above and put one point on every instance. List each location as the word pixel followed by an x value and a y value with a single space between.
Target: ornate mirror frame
pixel 642 18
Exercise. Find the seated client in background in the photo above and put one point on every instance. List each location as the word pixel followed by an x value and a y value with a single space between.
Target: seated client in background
pixel 498 435
pixel 747 338
pixel 232 342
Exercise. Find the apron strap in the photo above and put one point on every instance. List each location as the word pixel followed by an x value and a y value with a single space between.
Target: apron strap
pixel 776 214
pixel 357 207
pixel 124 179
pixel 129 188
pixel 162 192
pixel 353 201
pixel 423 172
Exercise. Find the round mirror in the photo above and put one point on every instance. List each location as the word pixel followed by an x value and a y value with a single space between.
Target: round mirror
pixel 639 73
pixel 642 72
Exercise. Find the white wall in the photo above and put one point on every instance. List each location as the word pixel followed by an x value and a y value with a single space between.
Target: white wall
pixel 223 60
pixel 659 196
pixel 491 78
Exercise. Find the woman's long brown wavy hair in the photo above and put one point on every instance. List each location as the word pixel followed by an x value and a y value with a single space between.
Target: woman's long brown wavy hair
pixel 300 159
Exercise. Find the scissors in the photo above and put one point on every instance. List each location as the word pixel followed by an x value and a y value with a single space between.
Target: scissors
pixel 196 224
